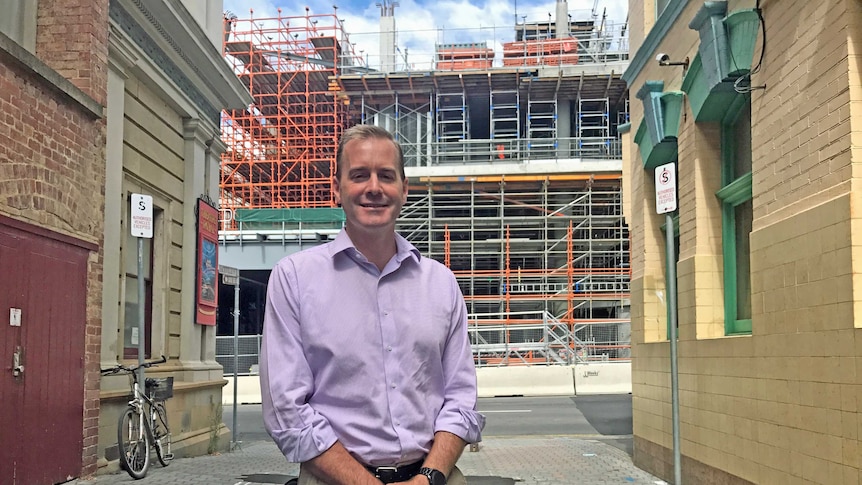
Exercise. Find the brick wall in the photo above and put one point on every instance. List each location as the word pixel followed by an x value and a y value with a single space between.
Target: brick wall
pixel 52 156
pixel 804 120
pixel 641 19
pixel 783 404
pixel 72 39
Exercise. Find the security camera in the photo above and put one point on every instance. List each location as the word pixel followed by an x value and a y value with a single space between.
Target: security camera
pixel 664 60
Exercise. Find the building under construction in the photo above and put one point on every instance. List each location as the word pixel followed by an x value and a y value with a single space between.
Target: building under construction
pixel 512 156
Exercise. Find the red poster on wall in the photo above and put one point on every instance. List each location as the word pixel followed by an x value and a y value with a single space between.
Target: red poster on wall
pixel 207 264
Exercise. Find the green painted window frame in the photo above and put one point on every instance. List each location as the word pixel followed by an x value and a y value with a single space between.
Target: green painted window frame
pixel 734 191
pixel 660 7
pixel 675 218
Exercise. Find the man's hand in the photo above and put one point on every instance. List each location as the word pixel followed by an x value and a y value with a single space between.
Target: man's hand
pixel 417 480
pixel 444 453
pixel 337 466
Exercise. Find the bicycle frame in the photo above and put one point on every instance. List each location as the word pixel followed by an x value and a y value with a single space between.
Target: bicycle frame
pixel 137 429
pixel 139 397
pixel 141 402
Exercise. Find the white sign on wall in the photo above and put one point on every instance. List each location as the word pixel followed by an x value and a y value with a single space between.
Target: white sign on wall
pixel 229 275
pixel 142 216
pixel 665 188
pixel 15 317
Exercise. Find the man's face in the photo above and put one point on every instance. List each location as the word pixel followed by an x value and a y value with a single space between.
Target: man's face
pixel 370 188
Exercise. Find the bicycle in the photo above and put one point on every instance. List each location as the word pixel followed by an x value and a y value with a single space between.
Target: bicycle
pixel 144 423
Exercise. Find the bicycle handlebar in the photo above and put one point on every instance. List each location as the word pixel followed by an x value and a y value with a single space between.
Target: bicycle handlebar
pixel 124 368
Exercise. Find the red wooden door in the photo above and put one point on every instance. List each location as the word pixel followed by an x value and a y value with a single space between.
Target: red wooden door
pixel 42 409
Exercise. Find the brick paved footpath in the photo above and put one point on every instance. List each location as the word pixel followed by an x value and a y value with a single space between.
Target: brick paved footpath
pixel 499 461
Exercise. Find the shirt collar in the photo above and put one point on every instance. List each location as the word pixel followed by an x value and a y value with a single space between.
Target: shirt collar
pixel 403 247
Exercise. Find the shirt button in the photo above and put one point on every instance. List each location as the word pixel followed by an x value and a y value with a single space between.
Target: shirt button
pixel 389 348
pixel 393 386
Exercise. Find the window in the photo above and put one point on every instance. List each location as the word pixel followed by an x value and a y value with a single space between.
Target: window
pixel 19 22
pixel 131 330
pixel 736 218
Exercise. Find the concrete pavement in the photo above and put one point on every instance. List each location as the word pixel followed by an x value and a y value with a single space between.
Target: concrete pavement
pixel 534 460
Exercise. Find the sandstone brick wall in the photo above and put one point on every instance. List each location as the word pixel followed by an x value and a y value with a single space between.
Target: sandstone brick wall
pixel 810 136
pixel 783 404
pixel 153 160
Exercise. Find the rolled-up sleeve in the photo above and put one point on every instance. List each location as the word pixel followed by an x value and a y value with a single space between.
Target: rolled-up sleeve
pixel 458 414
pixel 286 381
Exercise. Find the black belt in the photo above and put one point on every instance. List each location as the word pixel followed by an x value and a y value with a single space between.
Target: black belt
pixel 392 474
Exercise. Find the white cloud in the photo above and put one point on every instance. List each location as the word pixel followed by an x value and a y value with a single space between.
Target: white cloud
pixel 243 8
pixel 420 25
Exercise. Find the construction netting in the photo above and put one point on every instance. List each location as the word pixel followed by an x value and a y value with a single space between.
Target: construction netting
pixel 299 218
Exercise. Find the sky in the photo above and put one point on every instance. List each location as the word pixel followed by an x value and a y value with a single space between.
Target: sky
pixel 422 23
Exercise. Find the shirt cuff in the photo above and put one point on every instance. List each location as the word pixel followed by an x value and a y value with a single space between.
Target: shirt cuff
pixel 467 424
pixel 302 444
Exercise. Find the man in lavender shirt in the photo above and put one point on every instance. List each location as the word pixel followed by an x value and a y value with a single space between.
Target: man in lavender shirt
pixel 366 370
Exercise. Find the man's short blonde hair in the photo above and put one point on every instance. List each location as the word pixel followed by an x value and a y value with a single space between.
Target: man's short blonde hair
pixel 365 132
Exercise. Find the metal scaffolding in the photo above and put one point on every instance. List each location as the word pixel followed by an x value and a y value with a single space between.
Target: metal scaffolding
pixel 542 258
pixel 281 151
pixel 594 125
pixel 547 251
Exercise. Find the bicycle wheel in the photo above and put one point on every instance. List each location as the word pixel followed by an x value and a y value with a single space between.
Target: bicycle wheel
pixel 134 444
pixel 162 434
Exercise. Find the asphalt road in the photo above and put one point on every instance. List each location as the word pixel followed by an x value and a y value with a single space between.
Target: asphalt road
pixel 607 418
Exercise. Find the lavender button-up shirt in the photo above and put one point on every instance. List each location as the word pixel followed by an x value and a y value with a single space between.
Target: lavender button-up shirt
pixel 378 360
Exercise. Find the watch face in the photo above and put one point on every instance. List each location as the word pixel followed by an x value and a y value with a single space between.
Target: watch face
pixel 435 477
pixel 438 479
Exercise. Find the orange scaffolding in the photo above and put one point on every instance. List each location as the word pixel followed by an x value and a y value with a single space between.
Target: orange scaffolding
pixel 460 57
pixel 533 253
pixel 281 150
pixel 534 52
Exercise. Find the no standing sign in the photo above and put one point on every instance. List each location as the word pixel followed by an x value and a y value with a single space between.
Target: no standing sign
pixel 665 188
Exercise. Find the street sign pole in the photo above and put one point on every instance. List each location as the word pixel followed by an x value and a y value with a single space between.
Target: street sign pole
pixel 235 357
pixel 141 314
pixel 141 227
pixel 674 369
pixel 230 276
pixel 666 203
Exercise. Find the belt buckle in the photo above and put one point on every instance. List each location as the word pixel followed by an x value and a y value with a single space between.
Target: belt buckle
pixel 386 474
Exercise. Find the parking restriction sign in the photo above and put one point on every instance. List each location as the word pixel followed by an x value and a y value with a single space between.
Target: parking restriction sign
pixel 142 216
pixel 665 188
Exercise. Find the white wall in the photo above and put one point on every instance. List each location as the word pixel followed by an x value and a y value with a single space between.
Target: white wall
pixel 581 379
pixel 603 378
pixel 209 15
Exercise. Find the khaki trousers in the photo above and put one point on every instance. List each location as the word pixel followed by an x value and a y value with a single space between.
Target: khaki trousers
pixel 306 478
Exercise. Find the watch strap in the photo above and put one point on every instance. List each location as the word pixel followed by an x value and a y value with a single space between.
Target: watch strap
pixel 434 476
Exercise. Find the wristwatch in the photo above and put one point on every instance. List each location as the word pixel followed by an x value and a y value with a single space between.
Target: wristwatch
pixel 435 477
